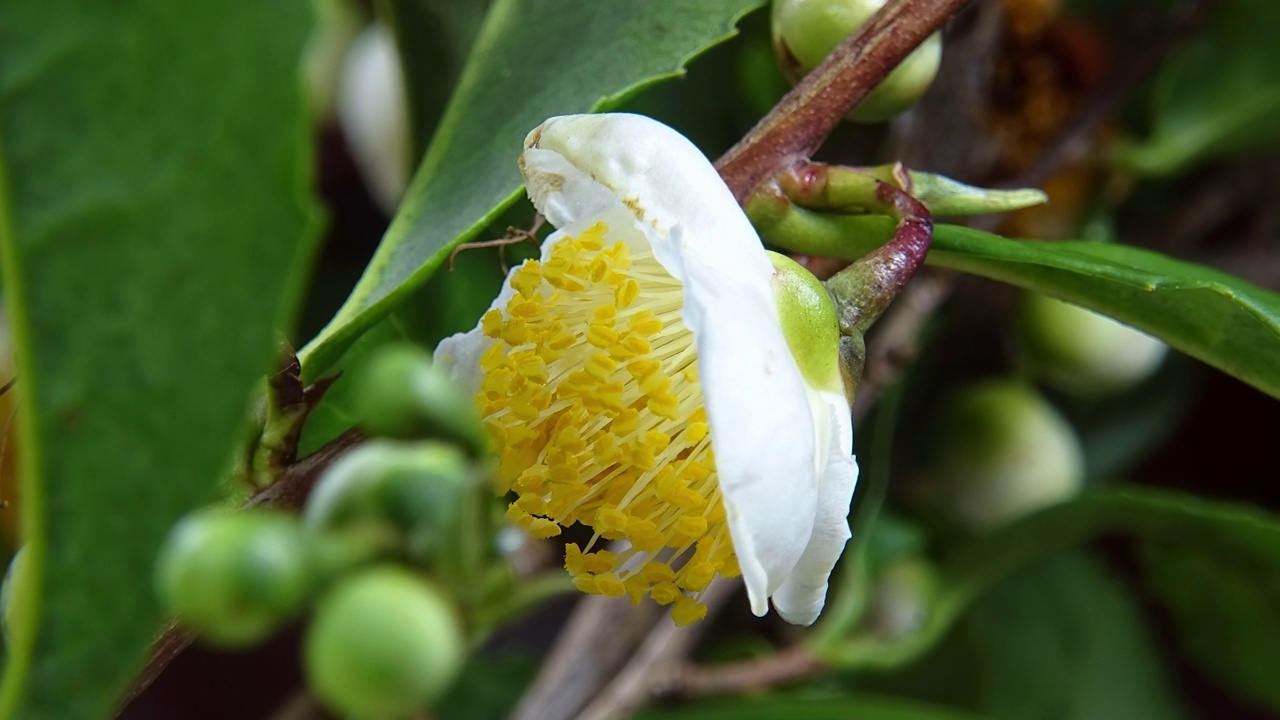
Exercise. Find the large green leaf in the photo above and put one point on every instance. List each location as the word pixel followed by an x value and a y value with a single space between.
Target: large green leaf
pixel 1224 608
pixel 1210 315
pixel 1221 530
pixel 1064 641
pixel 532 59
pixel 154 219
pixel 1219 94
pixel 791 707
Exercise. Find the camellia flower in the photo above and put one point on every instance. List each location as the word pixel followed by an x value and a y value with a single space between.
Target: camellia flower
pixel 655 377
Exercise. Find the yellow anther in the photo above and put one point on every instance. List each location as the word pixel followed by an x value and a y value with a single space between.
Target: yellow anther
pixel 690 525
pixel 697 576
pixel 645 536
pixel 528 278
pixel 688 610
pixel 522 308
pixel 626 422
pixel 646 323
pixel 604 314
pixel 533 480
pixel 601 366
pixel 641 369
pixel 695 433
pixel 654 384
pixel 627 293
pixel 610 586
pixel 665 405
pixel 491 323
pixel 570 440
pixel 636 344
pixel 658 572
pixel 562 340
pixel 610 519
pixel 687 499
pixel 587 583
pixel 601 335
pixel 656 441
pixel 695 471
pixel 666 593
pixel 593 237
pixel 530 365
pixel 598 268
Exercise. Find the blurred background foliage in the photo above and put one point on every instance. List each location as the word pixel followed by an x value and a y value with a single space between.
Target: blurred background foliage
pixel 1148 587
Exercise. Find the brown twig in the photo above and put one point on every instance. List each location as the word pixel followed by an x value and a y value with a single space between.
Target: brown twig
pixel 600 636
pixel 788 666
pixel 799 124
pixel 647 673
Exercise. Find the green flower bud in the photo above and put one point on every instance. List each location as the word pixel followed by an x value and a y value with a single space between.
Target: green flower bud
pixel 901 598
pixel 809 322
pixel 234 577
pixel 1081 352
pixel 806 31
pixel 1005 452
pixel 405 484
pixel 383 644
pixel 403 395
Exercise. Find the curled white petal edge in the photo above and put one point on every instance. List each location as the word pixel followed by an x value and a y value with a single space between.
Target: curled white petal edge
pixel 580 169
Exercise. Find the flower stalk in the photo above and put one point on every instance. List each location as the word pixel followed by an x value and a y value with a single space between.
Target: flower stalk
pixel 800 122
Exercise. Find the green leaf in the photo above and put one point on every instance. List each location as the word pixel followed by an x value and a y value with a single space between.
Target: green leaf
pixel 1224 608
pixel 1223 530
pixel 1210 315
pixel 531 60
pixel 154 220
pixel 1219 94
pixel 433 38
pixel 1064 640
pixel 790 707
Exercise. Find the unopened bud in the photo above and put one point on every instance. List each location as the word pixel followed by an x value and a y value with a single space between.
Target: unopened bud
pixel 1082 352
pixel 806 31
pixel 402 394
pixel 234 577
pixel 1005 452
pixel 383 644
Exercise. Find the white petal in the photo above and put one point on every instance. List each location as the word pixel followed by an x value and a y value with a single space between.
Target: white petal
pixel 762 429
pixel 802 596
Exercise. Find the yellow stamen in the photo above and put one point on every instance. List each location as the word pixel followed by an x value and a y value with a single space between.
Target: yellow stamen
pixel 594 425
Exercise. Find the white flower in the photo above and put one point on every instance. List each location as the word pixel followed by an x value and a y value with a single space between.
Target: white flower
pixel 637 379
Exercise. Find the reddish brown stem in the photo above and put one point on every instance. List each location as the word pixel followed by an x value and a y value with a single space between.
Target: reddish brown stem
pixel 801 121
pixel 864 290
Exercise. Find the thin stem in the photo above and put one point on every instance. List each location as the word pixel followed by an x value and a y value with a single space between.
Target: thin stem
pixel 864 290
pixel 803 119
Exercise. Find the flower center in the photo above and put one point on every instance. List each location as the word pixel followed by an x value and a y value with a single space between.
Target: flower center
pixel 591 394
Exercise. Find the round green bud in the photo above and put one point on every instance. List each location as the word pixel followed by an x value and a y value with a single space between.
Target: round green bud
pixel 1005 452
pixel 806 31
pixel 809 322
pixel 902 597
pixel 1081 352
pixel 402 394
pixel 234 577
pixel 383 644
pixel 408 485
